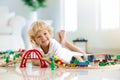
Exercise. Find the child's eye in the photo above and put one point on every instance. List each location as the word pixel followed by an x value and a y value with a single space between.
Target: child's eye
pixel 45 33
pixel 39 37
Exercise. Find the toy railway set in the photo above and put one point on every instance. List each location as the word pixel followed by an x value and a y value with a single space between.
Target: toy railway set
pixel 92 61
pixel 10 57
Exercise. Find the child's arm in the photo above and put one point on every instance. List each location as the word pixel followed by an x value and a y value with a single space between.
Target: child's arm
pixel 72 47
pixel 36 62
pixel 62 40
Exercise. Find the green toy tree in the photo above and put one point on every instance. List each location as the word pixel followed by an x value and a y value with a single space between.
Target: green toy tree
pixel 7 59
pixel 52 64
pixel 4 56
pixel 14 58
pixel 35 4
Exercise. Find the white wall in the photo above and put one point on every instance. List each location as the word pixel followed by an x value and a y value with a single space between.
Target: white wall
pixel 17 6
pixel 87 28
pixel 51 12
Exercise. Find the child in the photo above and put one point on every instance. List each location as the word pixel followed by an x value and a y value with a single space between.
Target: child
pixel 41 37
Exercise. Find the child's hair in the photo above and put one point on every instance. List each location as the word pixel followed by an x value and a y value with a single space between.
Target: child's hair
pixel 36 27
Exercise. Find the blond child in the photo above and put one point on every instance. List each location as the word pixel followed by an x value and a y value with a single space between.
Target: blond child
pixel 41 38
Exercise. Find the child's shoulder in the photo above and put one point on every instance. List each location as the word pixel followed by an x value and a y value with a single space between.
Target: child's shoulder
pixel 53 40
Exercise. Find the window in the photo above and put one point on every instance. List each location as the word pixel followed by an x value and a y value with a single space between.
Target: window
pixel 108 14
pixel 69 14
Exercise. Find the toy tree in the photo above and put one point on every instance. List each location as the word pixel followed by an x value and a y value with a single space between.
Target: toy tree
pixel 14 58
pixel 4 56
pixel 7 59
pixel 52 64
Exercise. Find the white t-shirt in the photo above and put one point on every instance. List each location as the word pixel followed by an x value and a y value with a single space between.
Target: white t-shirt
pixel 56 49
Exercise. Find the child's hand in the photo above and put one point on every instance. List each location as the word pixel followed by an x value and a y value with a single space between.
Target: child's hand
pixel 61 37
pixel 36 62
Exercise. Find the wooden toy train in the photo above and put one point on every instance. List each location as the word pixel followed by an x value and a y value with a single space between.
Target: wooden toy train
pixel 93 61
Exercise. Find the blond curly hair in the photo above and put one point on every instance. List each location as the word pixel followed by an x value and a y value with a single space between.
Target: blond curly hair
pixel 36 27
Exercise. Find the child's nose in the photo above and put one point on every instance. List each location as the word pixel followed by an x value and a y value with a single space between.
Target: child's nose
pixel 43 37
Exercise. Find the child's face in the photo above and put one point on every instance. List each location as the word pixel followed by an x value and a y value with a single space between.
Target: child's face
pixel 43 38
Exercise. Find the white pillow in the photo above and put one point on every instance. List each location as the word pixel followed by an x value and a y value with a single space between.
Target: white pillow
pixel 10 23
pixel 5 17
pixel 10 17
pixel 5 26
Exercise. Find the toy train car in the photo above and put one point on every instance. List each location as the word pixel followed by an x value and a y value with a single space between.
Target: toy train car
pixel 83 64
pixel 80 64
